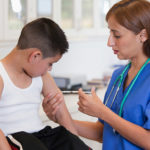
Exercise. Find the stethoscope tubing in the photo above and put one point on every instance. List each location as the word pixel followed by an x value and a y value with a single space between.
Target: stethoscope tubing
pixel 120 78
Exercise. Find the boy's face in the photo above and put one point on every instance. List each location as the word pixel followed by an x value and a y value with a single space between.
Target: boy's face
pixel 41 66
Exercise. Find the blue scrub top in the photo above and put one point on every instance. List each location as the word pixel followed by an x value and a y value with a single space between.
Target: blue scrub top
pixel 136 108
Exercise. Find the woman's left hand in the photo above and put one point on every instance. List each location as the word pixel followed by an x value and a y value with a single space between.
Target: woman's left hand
pixel 90 104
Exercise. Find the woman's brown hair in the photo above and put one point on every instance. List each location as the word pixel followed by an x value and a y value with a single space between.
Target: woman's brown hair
pixel 135 16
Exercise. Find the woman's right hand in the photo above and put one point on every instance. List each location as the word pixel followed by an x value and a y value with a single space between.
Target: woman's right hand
pixel 90 104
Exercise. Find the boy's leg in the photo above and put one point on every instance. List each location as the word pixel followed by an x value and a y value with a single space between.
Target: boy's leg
pixel 25 141
pixel 3 142
pixel 59 138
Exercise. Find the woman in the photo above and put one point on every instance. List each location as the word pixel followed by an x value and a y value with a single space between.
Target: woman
pixel 124 118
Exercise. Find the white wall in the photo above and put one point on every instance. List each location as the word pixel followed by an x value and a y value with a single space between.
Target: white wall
pixel 91 58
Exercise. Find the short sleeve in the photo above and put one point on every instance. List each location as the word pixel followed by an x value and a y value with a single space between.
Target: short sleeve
pixel 147 116
pixel 100 120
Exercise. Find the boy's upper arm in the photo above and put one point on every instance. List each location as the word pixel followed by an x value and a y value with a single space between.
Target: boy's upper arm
pixel 49 85
pixel 62 115
pixel 1 85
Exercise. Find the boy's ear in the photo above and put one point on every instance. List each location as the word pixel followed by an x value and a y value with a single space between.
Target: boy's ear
pixel 35 56
pixel 143 35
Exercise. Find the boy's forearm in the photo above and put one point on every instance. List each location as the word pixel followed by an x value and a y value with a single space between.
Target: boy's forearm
pixel 64 118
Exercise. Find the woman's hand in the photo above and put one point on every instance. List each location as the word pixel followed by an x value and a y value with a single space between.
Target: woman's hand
pixel 51 104
pixel 90 104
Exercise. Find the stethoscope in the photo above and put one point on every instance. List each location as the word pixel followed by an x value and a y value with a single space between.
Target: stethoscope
pixel 120 79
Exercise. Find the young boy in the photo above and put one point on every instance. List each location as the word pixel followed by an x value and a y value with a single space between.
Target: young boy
pixel 24 77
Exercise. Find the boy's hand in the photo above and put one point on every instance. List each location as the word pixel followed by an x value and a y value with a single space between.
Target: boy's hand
pixel 51 105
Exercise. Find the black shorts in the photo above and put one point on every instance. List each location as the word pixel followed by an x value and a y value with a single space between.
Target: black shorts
pixel 47 139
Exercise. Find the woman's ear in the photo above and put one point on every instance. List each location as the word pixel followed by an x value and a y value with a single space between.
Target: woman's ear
pixel 143 35
pixel 35 56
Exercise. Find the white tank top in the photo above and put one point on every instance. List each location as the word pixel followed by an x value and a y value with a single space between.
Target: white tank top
pixel 19 108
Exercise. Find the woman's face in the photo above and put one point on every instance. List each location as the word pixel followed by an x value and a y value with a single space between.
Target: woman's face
pixel 124 43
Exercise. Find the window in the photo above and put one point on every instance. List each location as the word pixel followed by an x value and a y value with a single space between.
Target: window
pixel 67 15
pixel 87 14
pixel 14 17
pixel 16 14
pixel 104 7
pixel 44 8
pixel 76 17
pixel 82 17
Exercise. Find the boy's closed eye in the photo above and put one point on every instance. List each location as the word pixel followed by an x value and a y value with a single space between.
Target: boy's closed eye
pixel 50 64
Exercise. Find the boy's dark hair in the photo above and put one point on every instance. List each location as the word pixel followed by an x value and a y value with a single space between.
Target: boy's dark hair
pixel 44 34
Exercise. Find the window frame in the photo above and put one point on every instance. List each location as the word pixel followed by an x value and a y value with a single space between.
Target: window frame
pixel 75 33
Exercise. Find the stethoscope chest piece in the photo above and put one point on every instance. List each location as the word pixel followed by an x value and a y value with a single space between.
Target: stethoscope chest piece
pixel 114 131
